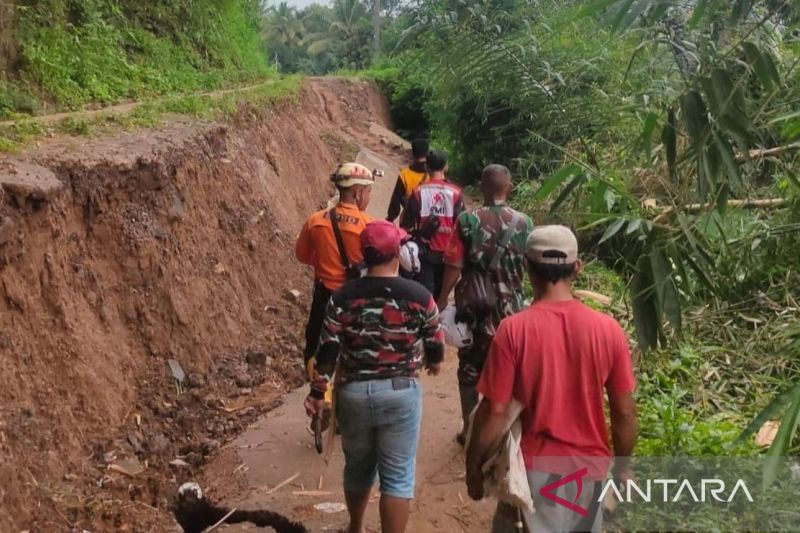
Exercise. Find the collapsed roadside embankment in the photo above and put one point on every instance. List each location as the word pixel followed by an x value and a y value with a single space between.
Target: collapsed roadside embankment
pixel 120 253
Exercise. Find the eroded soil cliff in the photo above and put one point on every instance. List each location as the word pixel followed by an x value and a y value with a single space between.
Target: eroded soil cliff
pixel 118 254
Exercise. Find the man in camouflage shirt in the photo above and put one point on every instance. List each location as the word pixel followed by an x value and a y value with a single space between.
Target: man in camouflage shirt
pixel 473 246
pixel 383 330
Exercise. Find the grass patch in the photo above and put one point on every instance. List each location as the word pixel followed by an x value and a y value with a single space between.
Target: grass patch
pixel 16 101
pixel 15 137
pixel 8 146
pixel 106 51
pixel 74 126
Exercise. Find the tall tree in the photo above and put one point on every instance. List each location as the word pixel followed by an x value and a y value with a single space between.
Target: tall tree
pixel 8 38
pixel 347 35
pixel 376 27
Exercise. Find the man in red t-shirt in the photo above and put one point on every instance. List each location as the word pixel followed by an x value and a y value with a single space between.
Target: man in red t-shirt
pixel 559 359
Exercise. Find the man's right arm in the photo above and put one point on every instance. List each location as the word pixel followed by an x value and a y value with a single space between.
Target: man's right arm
pixel 432 338
pixel 453 262
pixel 325 363
pixel 396 203
pixel 410 214
pixel 450 278
pixel 304 248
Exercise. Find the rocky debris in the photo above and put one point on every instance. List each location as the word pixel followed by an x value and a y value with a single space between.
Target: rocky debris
pixel 256 358
pixel 29 181
pixel 158 444
pixel 7 229
pixel 388 137
pixel 177 210
pixel 197 380
pixel 209 446
pixel 178 463
pixel 244 381
pixel 185 400
pixel 130 467
pixel 135 440
pixel 293 295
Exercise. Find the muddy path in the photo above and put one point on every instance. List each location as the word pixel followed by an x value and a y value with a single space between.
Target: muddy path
pixel 252 471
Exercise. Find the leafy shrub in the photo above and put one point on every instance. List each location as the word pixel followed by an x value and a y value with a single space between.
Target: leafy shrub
pixel 107 51
pixel 407 96
pixel 13 100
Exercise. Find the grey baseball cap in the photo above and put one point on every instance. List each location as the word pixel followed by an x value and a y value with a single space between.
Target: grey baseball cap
pixel 544 239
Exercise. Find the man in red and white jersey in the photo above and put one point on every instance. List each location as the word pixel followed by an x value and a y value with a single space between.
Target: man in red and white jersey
pixel 430 216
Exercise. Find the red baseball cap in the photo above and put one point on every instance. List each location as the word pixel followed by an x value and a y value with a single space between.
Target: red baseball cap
pixel 383 237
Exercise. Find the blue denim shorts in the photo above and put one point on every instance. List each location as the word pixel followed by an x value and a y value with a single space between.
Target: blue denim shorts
pixel 379 421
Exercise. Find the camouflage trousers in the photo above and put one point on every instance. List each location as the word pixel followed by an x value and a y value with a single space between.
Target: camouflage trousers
pixel 470 365
pixel 472 358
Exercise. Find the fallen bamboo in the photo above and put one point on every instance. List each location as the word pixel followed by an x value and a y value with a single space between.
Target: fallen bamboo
pixel 767 203
pixel 766 152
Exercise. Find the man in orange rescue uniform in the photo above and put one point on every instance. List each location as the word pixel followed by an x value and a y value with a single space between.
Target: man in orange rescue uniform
pixel 335 259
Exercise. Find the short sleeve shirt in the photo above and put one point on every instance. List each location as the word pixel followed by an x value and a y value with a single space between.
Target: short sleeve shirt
pixel 474 244
pixel 316 244
pixel 558 359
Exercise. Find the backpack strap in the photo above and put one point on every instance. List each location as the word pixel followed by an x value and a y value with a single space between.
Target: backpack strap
pixel 337 233
pixel 504 240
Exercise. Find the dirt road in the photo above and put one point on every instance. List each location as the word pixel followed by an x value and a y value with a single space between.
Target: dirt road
pixel 279 448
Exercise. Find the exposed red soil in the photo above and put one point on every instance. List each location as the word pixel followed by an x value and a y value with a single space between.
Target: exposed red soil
pixel 120 253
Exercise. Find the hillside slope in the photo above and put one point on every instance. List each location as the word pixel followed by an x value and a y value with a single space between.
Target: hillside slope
pixel 117 254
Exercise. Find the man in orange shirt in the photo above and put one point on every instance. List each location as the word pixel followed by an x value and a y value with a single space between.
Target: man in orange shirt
pixel 335 260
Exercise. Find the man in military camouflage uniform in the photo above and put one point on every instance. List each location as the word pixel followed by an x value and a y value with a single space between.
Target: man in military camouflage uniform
pixel 383 330
pixel 473 246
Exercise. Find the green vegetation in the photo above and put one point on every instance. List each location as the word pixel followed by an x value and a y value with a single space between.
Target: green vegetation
pixel 152 112
pixel 72 53
pixel 328 37
pixel 667 133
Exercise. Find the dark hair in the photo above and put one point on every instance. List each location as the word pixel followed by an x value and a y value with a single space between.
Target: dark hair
pixel 495 179
pixel 419 148
pixel 373 257
pixel 436 162
pixel 552 273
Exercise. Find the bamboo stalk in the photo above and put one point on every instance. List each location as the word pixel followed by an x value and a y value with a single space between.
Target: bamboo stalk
pixel 765 152
pixel 768 203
